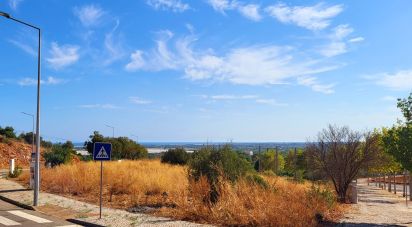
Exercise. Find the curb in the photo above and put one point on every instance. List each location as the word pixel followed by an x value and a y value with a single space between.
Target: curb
pixel 83 223
pixel 21 205
pixel 28 207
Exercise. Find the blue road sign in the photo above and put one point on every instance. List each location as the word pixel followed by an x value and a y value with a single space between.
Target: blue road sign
pixel 102 151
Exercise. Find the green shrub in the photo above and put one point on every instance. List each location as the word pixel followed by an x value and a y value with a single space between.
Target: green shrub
pixel 258 180
pixel 177 156
pixel 217 164
pixel 59 154
pixel 8 132
pixel 324 194
pixel 16 173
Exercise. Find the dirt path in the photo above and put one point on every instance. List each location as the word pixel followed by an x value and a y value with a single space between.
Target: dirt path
pixel 377 207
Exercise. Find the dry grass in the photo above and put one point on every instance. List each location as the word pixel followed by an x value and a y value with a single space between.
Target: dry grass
pixel 151 183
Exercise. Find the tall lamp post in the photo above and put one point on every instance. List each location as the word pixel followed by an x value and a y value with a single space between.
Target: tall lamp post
pixel 137 138
pixel 112 130
pixel 32 139
pixel 37 162
pixel 32 151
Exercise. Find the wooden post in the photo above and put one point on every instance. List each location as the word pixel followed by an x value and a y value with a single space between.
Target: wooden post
pixel 394 182
pixel 384 181
pixel 389 183
pixel 404 184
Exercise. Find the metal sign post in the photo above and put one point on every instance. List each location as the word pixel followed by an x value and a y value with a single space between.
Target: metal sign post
pixel 102 152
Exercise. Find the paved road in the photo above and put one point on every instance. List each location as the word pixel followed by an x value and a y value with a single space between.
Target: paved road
pixel 11 215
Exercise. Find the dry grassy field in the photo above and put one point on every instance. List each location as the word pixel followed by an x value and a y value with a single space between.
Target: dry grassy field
pixel 166 187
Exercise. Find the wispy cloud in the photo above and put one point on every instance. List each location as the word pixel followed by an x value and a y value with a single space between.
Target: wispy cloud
pixel 271 102
pixel 356 40
pixel 25 47
pixel 62 56
pixel 89 15
pixel 173 5
pixel 401 80
pixel 229 97
pixel 250 11
pixel 337 41
pixel 139 101
pixel 250 65
pixel 113 45
pixel 313 83
pixel 14 4
pixel 49 81
pixel 315 17
pixel 99 106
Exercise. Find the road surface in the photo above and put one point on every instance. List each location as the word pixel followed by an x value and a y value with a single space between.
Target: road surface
pixel 11 215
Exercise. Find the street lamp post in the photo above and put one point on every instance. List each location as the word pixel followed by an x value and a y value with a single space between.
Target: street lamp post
pixel 37 162
pixel 112 129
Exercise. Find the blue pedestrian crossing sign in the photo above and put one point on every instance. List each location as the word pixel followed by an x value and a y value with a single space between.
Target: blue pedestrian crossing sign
pixel 102 151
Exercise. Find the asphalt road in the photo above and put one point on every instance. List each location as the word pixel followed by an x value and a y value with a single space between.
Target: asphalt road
pixel 11 215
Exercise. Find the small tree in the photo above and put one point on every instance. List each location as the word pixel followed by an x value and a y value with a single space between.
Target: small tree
pixel 177 156
pixel 340 153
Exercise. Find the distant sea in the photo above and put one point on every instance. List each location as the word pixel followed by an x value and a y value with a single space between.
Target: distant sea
pixel 158 147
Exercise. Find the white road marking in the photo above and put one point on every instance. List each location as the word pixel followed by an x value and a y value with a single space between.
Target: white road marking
pixel 29 216
pixel 7 222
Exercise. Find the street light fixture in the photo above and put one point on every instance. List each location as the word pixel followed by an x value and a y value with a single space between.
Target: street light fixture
pixel 37 161
pixel 112 129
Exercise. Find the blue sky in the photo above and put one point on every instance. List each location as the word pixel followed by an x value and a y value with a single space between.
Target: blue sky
pixel 216 70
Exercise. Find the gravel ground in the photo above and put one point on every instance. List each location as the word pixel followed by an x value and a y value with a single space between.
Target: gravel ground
pixel 377 207
pixel 70 208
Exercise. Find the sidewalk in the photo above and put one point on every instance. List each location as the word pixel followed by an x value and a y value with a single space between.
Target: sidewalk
pixel 66 208
pixel 378 207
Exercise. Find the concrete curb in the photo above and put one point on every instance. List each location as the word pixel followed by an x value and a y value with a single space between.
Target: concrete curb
pixel 28 207
pixel 21 205
pixel 83 223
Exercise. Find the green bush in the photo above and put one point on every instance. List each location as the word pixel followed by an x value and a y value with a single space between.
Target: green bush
pixel 16 173
pixel 8 132
pixel 324 194
pixel 177 156
pixel 59 154
pixel 217 164
pixel 122 147
pixel 258 180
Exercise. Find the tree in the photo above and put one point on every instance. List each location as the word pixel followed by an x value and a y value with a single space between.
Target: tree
pixel 397 140
pixel 270 162
pixel 177 156
pixel 216 165
pixel 340 153
pixel 8 132
pixel 59 154
pixel 122 147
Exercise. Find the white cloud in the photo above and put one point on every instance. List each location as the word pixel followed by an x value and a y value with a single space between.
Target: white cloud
pixel 313 83
pixel 401 80
pixel 337 44
pixel 99 106
pixel 139 101
pixel 271 102
pixel 89 15
pixel 250 11
pixel 250 65
pixel 14 4
pixel 229 97
pixel 221 5
pixel 31 82
pixel 356 40
pixel 62 56
pixel 173 5
pixel 113 46
pixel 315 17
pixel 26 48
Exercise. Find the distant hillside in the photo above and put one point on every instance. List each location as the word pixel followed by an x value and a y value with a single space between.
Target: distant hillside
pixel 10 148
